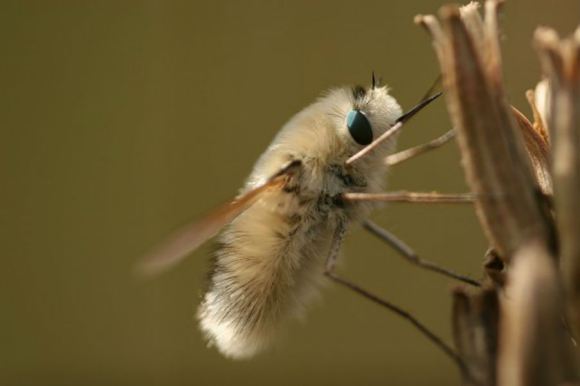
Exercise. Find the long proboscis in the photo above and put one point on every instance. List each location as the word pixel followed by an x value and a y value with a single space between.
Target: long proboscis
pixel 393 129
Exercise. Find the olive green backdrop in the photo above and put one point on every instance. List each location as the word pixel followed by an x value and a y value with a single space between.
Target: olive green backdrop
pixel 124 119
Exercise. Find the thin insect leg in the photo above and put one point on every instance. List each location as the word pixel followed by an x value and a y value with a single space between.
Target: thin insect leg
pixel 407 316
pixel 412 152
pixel 393 129
pixel 329 272
pixel 409 254
pixel 426 198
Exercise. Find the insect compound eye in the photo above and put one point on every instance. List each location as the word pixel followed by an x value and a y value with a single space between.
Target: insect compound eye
pixel 359 127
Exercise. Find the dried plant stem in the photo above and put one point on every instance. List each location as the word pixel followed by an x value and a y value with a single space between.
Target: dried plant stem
pixel 469 60
pixel 475 318
pixel 561 62
pixel 507 168
pixel 534 349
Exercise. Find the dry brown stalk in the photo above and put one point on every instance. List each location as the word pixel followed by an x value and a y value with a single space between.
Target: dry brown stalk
pixel 561 64
pixel 534 348
pixel 513 331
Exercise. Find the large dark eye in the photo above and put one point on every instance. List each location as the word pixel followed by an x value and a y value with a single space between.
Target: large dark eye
pixel 359 127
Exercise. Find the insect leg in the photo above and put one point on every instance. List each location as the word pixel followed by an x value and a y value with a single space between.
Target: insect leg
pixel 393 129
pixel 329 272
pixel 409 254
pixel 402 196
pixel 412 152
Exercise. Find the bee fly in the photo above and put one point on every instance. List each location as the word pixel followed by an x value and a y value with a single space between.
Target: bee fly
pixel 323 171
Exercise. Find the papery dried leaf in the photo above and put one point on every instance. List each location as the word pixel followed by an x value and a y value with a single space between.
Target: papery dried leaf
pixel 560 60
pixel 475 329
pixel 540 101
pixel 538 151
pixel 534 346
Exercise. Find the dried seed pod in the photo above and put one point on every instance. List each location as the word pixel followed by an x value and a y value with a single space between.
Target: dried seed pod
pixel 493 150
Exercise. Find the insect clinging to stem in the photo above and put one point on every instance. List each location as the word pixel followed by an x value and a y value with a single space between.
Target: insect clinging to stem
pixel 323 171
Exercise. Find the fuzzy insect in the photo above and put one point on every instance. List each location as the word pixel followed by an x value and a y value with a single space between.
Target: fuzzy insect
pixel 283 231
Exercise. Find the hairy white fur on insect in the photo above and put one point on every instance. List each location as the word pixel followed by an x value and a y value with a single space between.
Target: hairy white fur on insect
pixel 271 257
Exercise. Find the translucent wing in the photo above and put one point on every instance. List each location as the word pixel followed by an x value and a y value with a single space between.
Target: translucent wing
pixel 185 240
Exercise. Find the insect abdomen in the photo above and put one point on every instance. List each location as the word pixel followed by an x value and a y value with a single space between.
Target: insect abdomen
pixel 268 266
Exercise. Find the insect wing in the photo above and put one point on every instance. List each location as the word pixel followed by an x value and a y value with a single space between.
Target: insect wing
pixel 185 240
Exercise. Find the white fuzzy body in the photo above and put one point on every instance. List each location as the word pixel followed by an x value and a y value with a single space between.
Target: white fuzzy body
pixel 271 258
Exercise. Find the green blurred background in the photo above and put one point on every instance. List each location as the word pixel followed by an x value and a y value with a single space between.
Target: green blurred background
pixel 124 119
